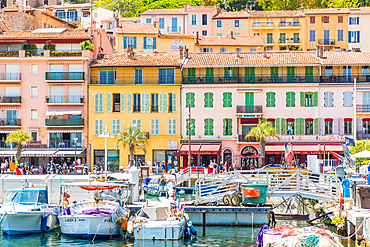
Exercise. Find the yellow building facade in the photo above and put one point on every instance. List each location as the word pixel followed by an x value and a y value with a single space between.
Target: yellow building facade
pixel 136 90
pixel 225 22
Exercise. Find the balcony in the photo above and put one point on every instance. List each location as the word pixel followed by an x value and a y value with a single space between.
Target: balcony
pixel 250 79
pixel 263 25
pixel 173 29
pixel 64 122
pixel 64 76
pixel 289 25
pixel 10 99
pixel 345 79
pixel 154 108
pixel 131 79
pixel 57 143
pixel 328 42
pixel 268 42
pixel 289 41
pixel 249 109
pixel 241 138
pixel 64 99
pixel 10 122
pixel 362 135
pixel 136 108
pixel 10 77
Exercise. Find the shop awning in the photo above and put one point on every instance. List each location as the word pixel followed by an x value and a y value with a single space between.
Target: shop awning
pixel 6 153
pixel 202 149
pixel 304 149
pixel 58 111
pixel 38 153
pixel 69 153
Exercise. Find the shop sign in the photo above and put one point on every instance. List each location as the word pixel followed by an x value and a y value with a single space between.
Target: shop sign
pixel 331 138
pixel 35 144
pixel 172 145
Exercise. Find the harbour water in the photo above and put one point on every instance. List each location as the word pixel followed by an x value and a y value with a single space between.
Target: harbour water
pixel 209 236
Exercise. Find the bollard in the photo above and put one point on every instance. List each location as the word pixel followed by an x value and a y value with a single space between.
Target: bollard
pixel 204 223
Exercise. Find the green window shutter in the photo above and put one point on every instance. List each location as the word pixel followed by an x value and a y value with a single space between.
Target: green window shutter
pixel 191 75
pixel 174 102
pixel 234 73
pixel 165 102
pixel 309 73
pixel 226 72
pixel 114 127
pixel 145 43
pixel 302 122
pixel 290 74
pixel 122 102
pixel 134 42
pixel 270 99
pixel 283 126
pixel 174 127
pixel 142 103
pixel 152 127
pixel 277 126
pixel 190 99
pixel 192 104
pixel 160 102
pixel 129 103
pixel 97 127
pixel 229 126
pixel 249 74
pixel 209 75
pixel 316 126
pixel 109 102
pixel 274 71
pixel 208 126
pixel 315 98
pixel 302 99
pixel 290 99
pixel 225 126
pixel 208 99
pixel 249 99
pixel 99 102
pixel 147 102
pixel 297 126
pixel 227 99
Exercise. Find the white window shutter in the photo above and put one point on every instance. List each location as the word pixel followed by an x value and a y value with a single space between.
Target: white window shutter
pixel 174 100
pixel 326 99
pixel 341 126
pixel 169 126
pixel 174 125
pixel 148 102
pixel 190 17
pixel 152 126
pixel 335 126
pixel 331 98
pixel 138 121
pixel 129 103
pixel 207 19
pixel 142 103
pixel 160 103
pixel 122 102
pixel 109 103
pixel 113 127
pixel 199 19
pixel 157 126
pixel 165 102
pixel 96 127
pixel 118 126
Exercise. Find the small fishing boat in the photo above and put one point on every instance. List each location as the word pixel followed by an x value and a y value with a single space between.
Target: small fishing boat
pixel 100 217
pixel 158 188
pixel 158 221
pixel 26 211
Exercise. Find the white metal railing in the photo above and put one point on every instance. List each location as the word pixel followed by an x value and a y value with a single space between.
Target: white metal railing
pixel 189 173
pixel 280 183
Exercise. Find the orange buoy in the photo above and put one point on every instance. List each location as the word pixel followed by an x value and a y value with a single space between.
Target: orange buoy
pixel 124 225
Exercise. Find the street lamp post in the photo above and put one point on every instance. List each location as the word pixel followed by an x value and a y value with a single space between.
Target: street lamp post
pixel 106 134
pixel 75 139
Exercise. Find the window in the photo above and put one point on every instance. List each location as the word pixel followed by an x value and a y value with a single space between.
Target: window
pixel 228 127
pixel 150 43
pixel 193 20
pixel 328 70
pixel 227 99
pixel 154 103
pixel 252 50
pixel 354 20
pixel 137 102
pixel 190 99
pixel 271 121
pixel 161 23
pixel 172 102
pixel 282 22
pixel 269 38
pixel 208 126
pixel 223 49
pixel 325 19
pixel 309 126
pixel 136 123
pixel 270 99
pixel 354 36
pixel 117 102
pixel 238 49
pixel 366 126
pixel 340 19
pixel 98 102
pixel 34 92
pixel 171 127
pixel 34 114
pixel 236 23
pixel 219 24
pixel 290 99
pixel 34 69
pixel 347 126
pixel 347 99
pixel 269 48
pixel 312 35
pixel 34 136
pixel 116 127
pixel 328 99
pixel 98 126
pixel 129 41
pixel 282 38
pixel 208 99
pixel 204 33
pixel 138 76
pixel 166 76
pixel 340 35
pixel 206 49
pixel 365 70
pixel 192 126
pixel 110 25
pixel 290 126
pixel 175 44
pixel 328 126
pixel 148 20
pixel 204 19
pixel 308 99
pixel 312 19
pixel 154 126
pixel 107 77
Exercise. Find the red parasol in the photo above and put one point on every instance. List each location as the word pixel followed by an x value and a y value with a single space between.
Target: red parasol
pixel 254 156
pixel 238 156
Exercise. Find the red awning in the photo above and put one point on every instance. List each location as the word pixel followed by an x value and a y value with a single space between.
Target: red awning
pixel 304 149
pixel 12 41
pixel 202 149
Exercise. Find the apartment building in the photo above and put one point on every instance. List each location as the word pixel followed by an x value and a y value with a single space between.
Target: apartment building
pixel 225 22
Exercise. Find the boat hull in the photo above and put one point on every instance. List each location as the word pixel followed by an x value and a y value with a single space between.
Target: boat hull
pixel 160 230
pixel 88 226
pixel 27 223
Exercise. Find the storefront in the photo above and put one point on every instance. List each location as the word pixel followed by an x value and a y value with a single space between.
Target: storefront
pixel 247 162
pixel 113 159
pixel 170 158
pixel 201 153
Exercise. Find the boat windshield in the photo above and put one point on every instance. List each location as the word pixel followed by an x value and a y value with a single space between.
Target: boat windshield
pixel 21 197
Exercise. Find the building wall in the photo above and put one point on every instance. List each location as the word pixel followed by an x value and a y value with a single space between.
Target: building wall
pixel 192 29
pixel 230 48
pixel 181 22
pixel 228 26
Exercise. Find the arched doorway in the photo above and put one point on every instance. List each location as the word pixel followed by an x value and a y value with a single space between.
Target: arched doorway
pixel 227 156
pixel 247 162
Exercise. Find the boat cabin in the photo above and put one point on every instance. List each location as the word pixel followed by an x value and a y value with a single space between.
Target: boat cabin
pixel 27 196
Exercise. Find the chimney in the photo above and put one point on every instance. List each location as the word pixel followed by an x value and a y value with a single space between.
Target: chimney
pixel 231 35
pixel 319 51
pixel 181 52
pixel 197 38
pixel 156 23
pixel 116 17
pixel 186 53
pixel 264 52
pixel 218 8
pixel 130 52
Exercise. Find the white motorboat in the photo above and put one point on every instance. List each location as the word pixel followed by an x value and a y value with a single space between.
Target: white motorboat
pixel 26 211
pixel 157 222
pixel 97 218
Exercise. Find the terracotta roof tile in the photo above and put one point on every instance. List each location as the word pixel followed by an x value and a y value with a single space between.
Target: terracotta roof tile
pixel 276 14
pixel 130 19
pixel 3 26
pixel 67 34
pixel 326 11
pixel 232 15
pixel 164 12
pixel 359 11
pixel 252 59
pixel 346 58
pixel 200 8
pixel 138 28
pixel 226 40
pixel 172 58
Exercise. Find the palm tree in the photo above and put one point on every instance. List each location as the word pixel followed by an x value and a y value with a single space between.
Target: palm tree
pixel 264 129
pixel 133 137
pixel 19 138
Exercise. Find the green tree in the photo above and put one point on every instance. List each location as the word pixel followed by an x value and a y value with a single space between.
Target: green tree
pixel 18 138
pixel 361 145
pixel 132 137
pixel 263 130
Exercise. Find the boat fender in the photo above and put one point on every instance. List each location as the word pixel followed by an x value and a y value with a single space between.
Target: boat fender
pixel 124 225
pixel 49 221
pixel 192 229
pixel 187 233
pixel 44 219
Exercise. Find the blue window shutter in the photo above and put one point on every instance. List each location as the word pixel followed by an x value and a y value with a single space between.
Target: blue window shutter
pixel 349 36
pixel 358 36
pixel 216 23
pixel 233 23
pixel 154 43
pixel 144 42
pixel 134 42
pixel 125 42
pixel 222 23
pixel 358 20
